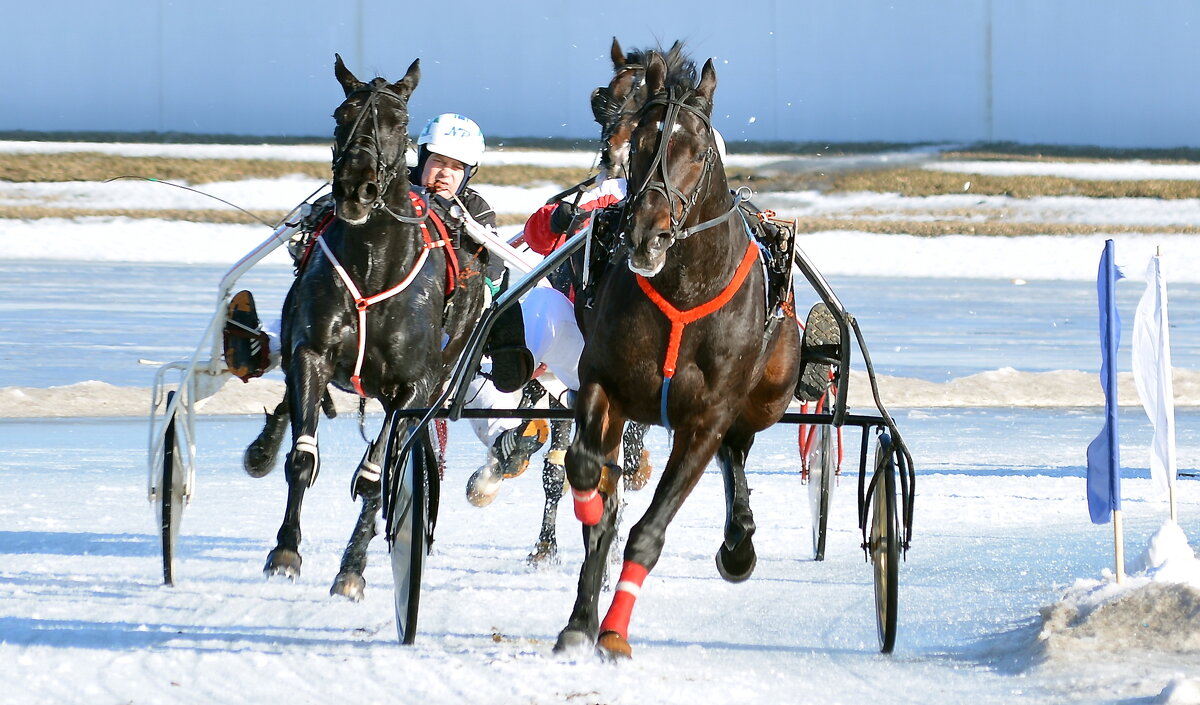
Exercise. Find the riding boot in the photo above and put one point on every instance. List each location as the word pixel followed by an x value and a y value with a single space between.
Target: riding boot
pixel 247 347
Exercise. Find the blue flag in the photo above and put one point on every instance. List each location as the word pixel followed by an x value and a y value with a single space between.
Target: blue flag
pixel 1104 453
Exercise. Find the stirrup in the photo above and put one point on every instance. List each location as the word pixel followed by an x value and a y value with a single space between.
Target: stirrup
pixel 246 346
pixel 820 350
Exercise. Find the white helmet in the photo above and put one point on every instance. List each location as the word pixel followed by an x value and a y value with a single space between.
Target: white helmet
pixel 452 135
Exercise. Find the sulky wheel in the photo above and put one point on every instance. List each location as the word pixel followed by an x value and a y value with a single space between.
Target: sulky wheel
pixel 884 543
pixel 169 497
pixel 822 469
pixel 411 508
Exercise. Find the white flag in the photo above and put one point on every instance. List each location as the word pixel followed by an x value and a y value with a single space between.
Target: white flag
pixel 1152 372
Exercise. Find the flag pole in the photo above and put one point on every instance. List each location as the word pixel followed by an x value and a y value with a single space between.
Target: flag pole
pixel 1113 333
pixel 1170 485
pixel 1119 545
pixel 1104 453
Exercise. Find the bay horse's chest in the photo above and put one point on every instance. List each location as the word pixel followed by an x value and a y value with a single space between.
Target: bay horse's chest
pixel 645 344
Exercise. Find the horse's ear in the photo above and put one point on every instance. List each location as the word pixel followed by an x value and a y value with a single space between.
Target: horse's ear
pixel 708 84
pixel 618 56
pixel 656 73
pixel 344 77
pixel 405 86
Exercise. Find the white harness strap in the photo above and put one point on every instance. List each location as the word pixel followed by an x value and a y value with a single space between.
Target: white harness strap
pixel 363 303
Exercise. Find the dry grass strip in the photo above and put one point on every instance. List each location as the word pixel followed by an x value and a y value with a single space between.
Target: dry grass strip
pixel 94 166
pixel 223 217
pixel 931 228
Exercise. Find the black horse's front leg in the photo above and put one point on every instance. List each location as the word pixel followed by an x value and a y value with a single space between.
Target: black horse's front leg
pixel 553 476
pixel 365 483
pixel 306 382
pixel 736 557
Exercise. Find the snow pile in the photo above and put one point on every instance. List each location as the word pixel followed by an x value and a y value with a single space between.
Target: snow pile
pixel 1157 606
pixel 1153 613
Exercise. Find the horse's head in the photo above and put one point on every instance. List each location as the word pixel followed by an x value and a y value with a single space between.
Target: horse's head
pixel 674 164
pixel 615 106
pixel 370 141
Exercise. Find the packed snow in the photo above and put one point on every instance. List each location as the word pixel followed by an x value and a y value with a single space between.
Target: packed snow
pixel 1007 595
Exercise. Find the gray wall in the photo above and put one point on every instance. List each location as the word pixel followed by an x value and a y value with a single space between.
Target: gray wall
pixel 1122 73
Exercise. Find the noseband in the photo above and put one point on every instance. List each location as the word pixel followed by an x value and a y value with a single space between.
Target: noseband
pixel 672 194
pixel 385 172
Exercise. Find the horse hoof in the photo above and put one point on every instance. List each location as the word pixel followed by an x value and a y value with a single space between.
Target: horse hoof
pixel 736 568
pixel 640 476
pixel 544 555
pixel 484 485
pixel 613 646
pixel 257 462
pixel 283 561
pixel 349 586
pixel 572 642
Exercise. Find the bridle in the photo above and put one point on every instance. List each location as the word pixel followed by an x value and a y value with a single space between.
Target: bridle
pixel 613 116
pixel 386 172
pixel 675 104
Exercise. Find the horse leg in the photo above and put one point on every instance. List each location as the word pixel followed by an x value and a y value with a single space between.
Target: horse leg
pixel 593 489
pixel 690 453
pixel 307 378
pixel 736 558
pixel 349 582
pixel 553 477
pixel 636 468
pixel 259 458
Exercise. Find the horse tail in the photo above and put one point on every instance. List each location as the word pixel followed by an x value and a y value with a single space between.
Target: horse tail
pixel 259 458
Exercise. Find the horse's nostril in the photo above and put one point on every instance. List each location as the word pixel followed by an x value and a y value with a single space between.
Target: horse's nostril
pixel 368 192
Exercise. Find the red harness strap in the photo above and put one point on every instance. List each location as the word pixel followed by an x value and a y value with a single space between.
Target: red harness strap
pixel 680 319
pixel 452 268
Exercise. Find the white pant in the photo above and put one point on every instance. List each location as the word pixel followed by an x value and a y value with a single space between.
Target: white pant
pixel 552 334
pixel 481 394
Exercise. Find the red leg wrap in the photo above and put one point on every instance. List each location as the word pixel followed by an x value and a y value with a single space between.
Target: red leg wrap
pixel 617 619
pixel 589 506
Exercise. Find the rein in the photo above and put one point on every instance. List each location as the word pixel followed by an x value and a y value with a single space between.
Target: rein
pixel 676 104
pixel 362 303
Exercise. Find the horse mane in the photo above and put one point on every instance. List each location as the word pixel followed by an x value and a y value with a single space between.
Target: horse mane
pixel 681 69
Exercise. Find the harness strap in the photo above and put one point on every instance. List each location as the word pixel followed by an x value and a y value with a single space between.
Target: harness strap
pixel 680 319
pixel 362 303
pixel 452 266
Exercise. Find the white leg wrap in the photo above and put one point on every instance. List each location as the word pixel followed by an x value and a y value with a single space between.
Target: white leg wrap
pixel 306 444
pixel 583 496
pixel 369 471
pixel 630 587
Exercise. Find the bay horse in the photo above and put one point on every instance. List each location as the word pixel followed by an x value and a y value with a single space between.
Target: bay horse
pixel 680 336
pixel 383 306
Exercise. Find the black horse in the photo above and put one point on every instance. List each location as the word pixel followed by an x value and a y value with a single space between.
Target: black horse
pixel 383 307
pixel 681 336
